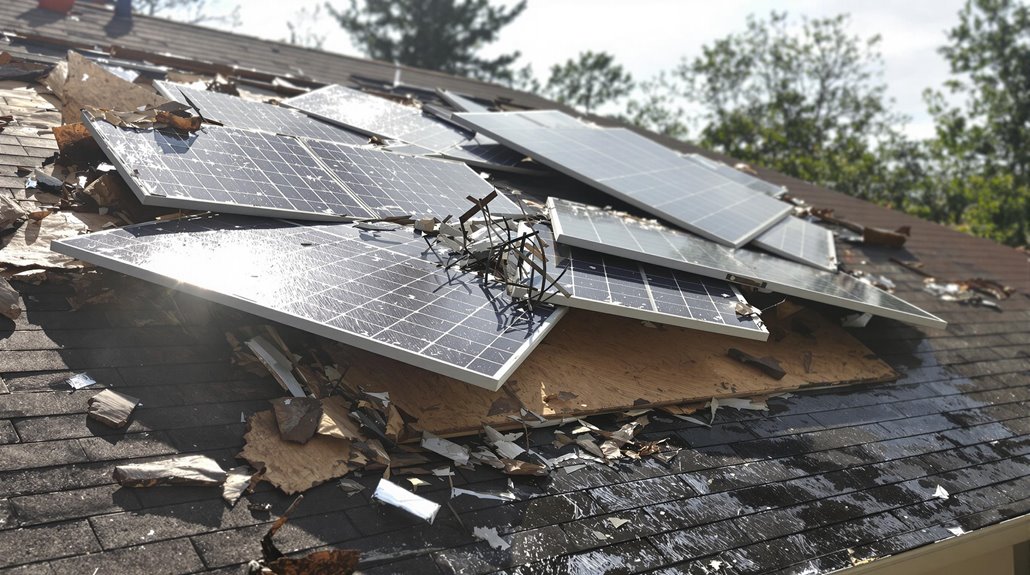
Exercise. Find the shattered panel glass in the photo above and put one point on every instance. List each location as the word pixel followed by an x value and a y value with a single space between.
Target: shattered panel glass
pixel 620 286
pixel 614 233
pixel 637 170
pixel 236 112
pixel 381 291
pixel 226 169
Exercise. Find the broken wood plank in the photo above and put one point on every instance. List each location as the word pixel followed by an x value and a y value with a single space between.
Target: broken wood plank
pixel 111 408
pixel 594 363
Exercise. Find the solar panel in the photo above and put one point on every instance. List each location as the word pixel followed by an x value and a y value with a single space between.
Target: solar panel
pixel 383 292
pixel 638 171
pixel 461 103
pixel 225 169
pixel 801 241
pixel 378 117
pixel 236 112
pixel 738 176
pixel 407 185
pixel 610 232
pixel 619 286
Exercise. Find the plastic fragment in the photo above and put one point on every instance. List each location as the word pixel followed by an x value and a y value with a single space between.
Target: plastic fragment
pixel 392 494
pixel 81 380
pixel 941 493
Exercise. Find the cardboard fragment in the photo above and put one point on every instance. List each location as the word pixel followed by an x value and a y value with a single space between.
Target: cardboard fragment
pixel 10 300
pixel 396 496
pixel 291 467
pixel 111 408
pixel 89 85
pixel 108 190
pixel 336 420
pixel 180 470
pixel 298 417
pixel 236 482
pixel 29 245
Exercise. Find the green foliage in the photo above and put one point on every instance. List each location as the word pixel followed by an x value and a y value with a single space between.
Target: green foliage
pixel 980 158
pixel 589 81
pixel 443 35
pixel 805 100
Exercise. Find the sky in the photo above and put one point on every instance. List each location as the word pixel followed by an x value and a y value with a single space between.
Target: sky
pixel 648 36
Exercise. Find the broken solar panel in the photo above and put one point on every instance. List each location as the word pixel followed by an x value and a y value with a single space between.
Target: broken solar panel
pixel 384 292
pixel 461 103
pixel 256 173
pixel 638 171
pixel 236 112
pixel 801 241
pixel 619 234
pixel 736 175
pixel 225 169
pixel 378 117
pixel 410 185
pixel 618 286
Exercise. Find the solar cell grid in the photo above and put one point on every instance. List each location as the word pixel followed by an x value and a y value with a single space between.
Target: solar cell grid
pixel 619 234
pixel 736 175
pixel 801 241
pixel 225 169
pixel 619 286
pixel 236 112
pixel 639 171
pixel 382 292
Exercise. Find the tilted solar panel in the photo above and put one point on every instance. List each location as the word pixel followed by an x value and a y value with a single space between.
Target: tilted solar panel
pixel 226 169
pixel 801 241
pixel 378 117
pixel 619 286
pixel 383 292
pixel 610 232
pixel 736 175
pixel 461 103
pixel 638 171
pixel 236 112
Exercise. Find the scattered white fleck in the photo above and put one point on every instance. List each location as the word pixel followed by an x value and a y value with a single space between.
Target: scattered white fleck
pixel 941 493
pixel 956 531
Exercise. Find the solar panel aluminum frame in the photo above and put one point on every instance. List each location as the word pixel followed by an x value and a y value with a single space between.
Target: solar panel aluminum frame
pixel 373 346
pixel 468 121
pixel 556 253
pixel 152 199
pixel 750 279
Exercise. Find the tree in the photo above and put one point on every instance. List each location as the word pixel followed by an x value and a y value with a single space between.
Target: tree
pixel 805 100
pixel 981 153
pixel 443 35
pixel 656 108
pixel 192 11
pixel 589 81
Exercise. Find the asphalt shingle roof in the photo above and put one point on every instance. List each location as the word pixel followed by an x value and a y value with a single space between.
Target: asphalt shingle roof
pixel 823 479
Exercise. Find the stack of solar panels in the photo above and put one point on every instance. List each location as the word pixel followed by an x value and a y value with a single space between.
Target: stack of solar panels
pixel 384 288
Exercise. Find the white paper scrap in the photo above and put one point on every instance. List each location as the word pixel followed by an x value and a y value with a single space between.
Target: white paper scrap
pixel 489 534
pixel 80 380
pixel 457 453
pixel 395 495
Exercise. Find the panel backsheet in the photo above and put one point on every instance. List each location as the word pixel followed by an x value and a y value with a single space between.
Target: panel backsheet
pixel 379 117
pixel 397 184
pixel 619 234
pixel 620 286
pixel 639 171
pixel 226 169
pixel 801 241
pixel 236 112
pixel 383 291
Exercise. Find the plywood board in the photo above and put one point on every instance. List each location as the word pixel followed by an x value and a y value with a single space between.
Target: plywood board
pixel 594 363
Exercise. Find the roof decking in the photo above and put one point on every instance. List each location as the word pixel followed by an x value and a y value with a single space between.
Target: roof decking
pixel 796 488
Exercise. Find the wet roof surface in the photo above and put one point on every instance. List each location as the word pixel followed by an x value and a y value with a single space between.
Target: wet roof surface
pixel 794 489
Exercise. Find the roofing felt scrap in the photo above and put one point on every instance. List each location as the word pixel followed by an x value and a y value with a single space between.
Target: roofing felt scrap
pixel 396 496
pixel 293 467
pixel 298 417
pixel 10 300
pixel 111 408
pixel 180 470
